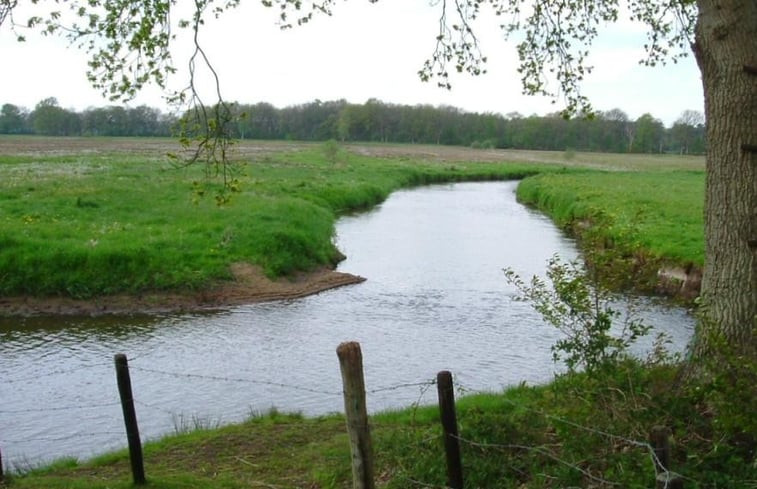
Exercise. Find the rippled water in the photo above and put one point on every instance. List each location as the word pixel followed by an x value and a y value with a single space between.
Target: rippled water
pixel 435 299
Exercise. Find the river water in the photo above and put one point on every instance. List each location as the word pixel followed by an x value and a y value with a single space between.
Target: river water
pixel 435 299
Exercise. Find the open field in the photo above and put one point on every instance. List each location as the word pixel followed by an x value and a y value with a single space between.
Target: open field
pixel 599 161
pixel 246 150
pixel 115 219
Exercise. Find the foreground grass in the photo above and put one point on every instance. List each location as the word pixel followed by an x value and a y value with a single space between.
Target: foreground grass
pixel 575 432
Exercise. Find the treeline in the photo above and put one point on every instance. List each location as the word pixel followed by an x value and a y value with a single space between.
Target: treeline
pixel 610 131
pixel 49 119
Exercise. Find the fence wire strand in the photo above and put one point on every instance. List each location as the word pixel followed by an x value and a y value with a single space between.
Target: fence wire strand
pixel 237 380
pixel 425 384
pixel 659 467
pixel 66 437
pixel 59 408
pixel 541 451
pixel 54 372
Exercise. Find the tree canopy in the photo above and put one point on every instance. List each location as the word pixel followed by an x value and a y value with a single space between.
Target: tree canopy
pixel 609 131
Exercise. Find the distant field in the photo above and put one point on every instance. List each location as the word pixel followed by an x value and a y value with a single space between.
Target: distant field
pixel 600 161
pixel 84 217
pixel 158 147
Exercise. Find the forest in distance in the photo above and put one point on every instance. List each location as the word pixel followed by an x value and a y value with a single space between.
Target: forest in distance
pixel 375 121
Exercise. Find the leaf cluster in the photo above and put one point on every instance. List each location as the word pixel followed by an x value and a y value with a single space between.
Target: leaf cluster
pixel 578 306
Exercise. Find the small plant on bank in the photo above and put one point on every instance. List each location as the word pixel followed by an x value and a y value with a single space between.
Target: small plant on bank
pixel 332 151
pixel 576 304
pixel 578 298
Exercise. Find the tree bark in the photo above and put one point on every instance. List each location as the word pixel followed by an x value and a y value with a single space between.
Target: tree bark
pixel 726 45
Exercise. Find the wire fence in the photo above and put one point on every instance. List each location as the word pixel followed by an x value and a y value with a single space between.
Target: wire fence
pixel 78 414
pixel 655 450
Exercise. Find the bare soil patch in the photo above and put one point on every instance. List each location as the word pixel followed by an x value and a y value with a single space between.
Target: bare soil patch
pixel 150 147
pixel 252 150
pixel 250 285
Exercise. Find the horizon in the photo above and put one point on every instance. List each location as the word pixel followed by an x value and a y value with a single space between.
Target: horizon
pixel 361 52
pixel 163 111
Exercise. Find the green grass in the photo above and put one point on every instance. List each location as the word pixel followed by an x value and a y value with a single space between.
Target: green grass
pixel 578 431
pixel 117 222
pixel 83 222
pixel 664 208
pixel 85 226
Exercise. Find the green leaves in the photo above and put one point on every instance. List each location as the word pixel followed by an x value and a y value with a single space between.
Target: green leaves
pixel 577 305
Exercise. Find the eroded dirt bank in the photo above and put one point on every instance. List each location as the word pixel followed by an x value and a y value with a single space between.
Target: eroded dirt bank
pixel 249 286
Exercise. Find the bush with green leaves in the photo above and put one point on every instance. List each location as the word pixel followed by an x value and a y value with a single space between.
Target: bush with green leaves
pixel 332 151
pixel 579 307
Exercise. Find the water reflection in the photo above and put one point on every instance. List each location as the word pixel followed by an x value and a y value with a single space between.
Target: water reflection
pixel 435 299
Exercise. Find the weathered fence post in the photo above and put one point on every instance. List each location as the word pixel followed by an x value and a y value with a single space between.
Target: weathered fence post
pixel 660 441
pixel 361 448
pixel 2 476
pixel 130 418
pixel 446 391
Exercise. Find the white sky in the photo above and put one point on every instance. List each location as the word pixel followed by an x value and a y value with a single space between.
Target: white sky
pixel 364 51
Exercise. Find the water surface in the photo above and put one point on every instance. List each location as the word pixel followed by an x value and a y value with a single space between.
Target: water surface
pixel 435 299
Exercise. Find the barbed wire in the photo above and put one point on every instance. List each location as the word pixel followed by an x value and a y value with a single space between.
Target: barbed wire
pixel 238 380
pixel 310 390
pixel 645 445
pixel 659 467
pixel 539 450
pixel 59 408
pixel 426 384
pixel 53 373
pixel 66 437
pixel 153 406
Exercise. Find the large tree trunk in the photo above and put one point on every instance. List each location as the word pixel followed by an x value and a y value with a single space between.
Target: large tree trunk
pixel 726 50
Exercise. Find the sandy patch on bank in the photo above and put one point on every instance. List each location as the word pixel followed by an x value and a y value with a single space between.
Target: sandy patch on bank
pixel 249 286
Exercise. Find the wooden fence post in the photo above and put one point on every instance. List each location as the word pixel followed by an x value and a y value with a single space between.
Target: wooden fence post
pixel 361 447
pixel 658 438
pixel 660 441
pixel 130 419
pixel 446 391
pixel 2 476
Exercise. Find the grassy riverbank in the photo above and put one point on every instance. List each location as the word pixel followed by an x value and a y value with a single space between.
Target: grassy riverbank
pixel 89 217
pixel 88 224
pixel 663 208
pixel 575 432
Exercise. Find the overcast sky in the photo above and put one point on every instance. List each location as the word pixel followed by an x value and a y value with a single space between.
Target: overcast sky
pixel 364 51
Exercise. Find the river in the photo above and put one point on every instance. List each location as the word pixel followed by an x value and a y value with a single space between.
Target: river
pixel 435 299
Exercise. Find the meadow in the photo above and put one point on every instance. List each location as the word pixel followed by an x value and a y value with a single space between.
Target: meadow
pixel 90 217
pixel 94 223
